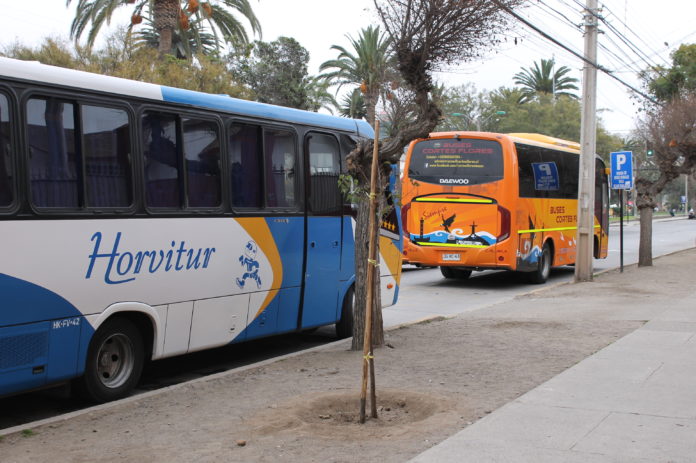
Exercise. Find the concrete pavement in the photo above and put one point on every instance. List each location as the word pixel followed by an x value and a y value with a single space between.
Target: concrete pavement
pixel 633 401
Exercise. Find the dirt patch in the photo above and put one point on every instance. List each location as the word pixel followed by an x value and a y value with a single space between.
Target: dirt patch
pixel 322 414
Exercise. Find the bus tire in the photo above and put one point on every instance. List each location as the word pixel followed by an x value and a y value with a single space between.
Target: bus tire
pixel 344 327
pixel 454 272
pixel 447 272
pixel 541 274
pixel 115 361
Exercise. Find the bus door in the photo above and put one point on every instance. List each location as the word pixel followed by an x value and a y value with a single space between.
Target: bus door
pixel 324 208
pixel 601 210
pixel 462 224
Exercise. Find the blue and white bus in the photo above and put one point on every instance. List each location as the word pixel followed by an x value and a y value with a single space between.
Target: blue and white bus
pixel 139 222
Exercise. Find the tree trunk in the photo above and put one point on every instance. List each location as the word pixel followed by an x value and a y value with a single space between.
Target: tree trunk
pixel 645 246
pixel 165 42
pixel 165 16
pixel 362 240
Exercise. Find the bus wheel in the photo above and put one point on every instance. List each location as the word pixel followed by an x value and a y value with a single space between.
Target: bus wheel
pixel 114 361
pixel 453 272
pixel 447 272
pixel 344 327
pixel 541 274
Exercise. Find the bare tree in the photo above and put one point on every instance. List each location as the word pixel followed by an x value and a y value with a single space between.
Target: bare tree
pixel 671 130
pixel 426 35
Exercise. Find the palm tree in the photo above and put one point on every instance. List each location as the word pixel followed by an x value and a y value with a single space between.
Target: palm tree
pixel 545 78
pixel 318 95
pixel 187 19
pixel 367 65
pixel 353 105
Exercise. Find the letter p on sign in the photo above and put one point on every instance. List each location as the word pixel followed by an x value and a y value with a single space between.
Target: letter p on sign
pixel 620 161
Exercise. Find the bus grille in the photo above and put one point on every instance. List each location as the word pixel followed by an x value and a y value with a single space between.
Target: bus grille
pixel 23 349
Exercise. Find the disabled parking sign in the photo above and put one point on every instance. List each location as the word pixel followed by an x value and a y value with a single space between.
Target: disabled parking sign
pixel 621 170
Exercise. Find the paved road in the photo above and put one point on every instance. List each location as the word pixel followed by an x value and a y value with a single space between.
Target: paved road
pixel 423 291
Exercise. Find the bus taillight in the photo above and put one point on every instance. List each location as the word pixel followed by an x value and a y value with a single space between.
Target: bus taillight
pixel 504 224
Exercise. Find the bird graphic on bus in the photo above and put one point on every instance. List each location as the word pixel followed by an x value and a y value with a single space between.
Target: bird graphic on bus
pixel 446 223
pixel 250 264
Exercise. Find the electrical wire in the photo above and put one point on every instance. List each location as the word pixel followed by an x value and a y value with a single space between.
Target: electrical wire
pixel 577 55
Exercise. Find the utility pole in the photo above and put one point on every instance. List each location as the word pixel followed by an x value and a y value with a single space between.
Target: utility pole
pixel 585 233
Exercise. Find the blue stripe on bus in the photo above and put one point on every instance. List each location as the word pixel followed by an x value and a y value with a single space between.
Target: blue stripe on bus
pixel 266 111
pixel 35 353
pixel 25 302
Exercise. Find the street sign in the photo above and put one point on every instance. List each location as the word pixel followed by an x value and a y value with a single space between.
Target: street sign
pixel 621 170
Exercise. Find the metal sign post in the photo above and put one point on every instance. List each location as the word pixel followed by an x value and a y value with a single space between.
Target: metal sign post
pixel 621 179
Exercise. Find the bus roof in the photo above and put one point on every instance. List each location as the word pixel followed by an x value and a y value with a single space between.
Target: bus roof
pixel 533 138
pixel 52 75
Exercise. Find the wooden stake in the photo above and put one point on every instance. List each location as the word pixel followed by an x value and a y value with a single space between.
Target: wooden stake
pixel 368 360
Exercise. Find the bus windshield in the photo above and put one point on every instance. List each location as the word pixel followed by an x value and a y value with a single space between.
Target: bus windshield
pixel 464 161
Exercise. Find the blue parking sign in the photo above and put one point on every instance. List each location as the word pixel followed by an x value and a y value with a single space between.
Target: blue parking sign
pixel 621 170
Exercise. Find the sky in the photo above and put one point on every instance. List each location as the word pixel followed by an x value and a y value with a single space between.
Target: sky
pixel 652 29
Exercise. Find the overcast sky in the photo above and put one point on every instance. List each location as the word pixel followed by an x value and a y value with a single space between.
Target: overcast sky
pixel 653 28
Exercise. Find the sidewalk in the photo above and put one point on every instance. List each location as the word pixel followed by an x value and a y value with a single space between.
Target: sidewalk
pixel 633 401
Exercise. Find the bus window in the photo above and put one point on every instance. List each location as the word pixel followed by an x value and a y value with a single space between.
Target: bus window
pixel 6 167
pixel 53 162
pixel 456 161
pixel 279 167
pixel 162 177
pixel 106 147
pixel 202 154
pixel 245 165
pixel 324 169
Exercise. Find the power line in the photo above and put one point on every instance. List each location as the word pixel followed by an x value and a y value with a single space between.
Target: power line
pixel 577 55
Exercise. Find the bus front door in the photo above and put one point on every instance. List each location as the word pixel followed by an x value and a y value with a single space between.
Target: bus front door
pixel 324 208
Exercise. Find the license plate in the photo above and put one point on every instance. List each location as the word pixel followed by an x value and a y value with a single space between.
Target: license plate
pixel 450 257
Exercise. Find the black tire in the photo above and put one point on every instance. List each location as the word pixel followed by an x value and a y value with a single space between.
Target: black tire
pixel 454 272
pixel 541 274
pixel 344 327
pixel 447 272
pixel 114 362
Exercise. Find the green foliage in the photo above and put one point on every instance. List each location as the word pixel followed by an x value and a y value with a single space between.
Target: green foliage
pixel 353 105
pixel 666 83
pixel 121 58
pixel 28 433
pixel 369 64
pixel 557 117
pixel 188 31
pixel 277 73
pixel 544 78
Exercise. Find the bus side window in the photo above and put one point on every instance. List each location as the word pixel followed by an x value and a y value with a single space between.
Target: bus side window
pixel 526 155
pixel 279 168
pixel 6 155
pixel 324 170
pixel 106 146
pixel 53 162
pixel 162 177
pixel 202 157
pixel 245 165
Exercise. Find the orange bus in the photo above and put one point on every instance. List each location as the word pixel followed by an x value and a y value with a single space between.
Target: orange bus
pixel 476 201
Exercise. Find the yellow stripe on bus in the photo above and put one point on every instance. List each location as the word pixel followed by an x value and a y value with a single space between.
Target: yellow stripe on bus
pixel 537 230
pixel 452 200
pixel 452 245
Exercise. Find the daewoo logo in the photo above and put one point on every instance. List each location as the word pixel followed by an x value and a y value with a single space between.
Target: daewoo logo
pixel 461 181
